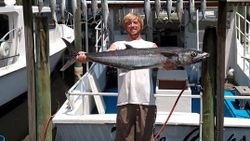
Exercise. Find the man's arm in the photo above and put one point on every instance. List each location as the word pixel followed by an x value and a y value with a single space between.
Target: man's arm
pixel 81 57
pixel 112 47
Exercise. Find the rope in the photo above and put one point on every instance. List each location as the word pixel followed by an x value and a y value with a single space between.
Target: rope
pixel 45 128
pixel 171 112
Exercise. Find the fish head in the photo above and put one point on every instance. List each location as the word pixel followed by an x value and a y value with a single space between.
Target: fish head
pixel 190 56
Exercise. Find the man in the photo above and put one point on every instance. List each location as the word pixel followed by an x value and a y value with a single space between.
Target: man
pixel 136 109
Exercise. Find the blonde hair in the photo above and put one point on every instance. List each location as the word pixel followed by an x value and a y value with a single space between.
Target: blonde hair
pixel 132 16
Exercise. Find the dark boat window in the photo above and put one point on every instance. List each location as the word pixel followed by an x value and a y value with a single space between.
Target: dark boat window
pixel 4 28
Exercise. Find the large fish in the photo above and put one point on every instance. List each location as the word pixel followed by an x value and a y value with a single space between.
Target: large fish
pixel 105 14
pixel 53 10
pixel 40 5
pixel 84 7
pixel 169 9
pixel 63 7
pixel 94 8
pixel 132 58
pixel 157 8
pixel 74 6
pixel 203 8
pixel 191 10
pixel 179 10
pixel 147 11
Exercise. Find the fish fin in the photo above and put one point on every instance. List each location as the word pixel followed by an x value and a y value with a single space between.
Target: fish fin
pixel 72 54
pixel 203 18
pixel 129 46
pixel 158 20
pixel 182 27
pixel 169 21
pixel 70 47
pixel 168 54
pixel 94 22
pixel 66 42
pixel 68 64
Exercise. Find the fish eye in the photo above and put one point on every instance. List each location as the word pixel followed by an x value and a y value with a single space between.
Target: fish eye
pixel 193 54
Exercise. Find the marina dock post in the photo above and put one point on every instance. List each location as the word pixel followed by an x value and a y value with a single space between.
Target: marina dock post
pixel 208 79
pixel 43 92
pixel 220 76
pixel 28 31
pixel 78 68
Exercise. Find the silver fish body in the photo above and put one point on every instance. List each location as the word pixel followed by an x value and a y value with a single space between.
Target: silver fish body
pixel 105 13
pixel 147 11
pixel 84 7
pixel 179 10
pixel 131 59
pixel 203 8
pixel 74 6
pixel 191 10
pixel 63 7
pixel 157 8
pixel 94 8
pixel 53 9
pixel 169 9
pixel 40 5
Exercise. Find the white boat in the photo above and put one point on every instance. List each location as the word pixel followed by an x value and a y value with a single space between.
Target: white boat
pixel 13 75
pixel 89 113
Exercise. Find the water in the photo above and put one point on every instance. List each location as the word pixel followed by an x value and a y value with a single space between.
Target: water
pixel 14 115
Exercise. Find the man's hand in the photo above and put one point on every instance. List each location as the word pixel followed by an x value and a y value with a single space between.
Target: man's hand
pixel 81 57
pixel 168 65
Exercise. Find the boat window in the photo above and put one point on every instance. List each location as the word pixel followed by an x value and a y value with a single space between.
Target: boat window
pixel 4 28
pixel 52 24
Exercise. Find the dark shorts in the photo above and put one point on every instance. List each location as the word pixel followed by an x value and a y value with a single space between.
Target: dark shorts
pixel 135 122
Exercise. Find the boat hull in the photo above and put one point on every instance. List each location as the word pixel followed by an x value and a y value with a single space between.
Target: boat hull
pixel 97 132
pixel 15 83
pixel 13 73
pixel 76 120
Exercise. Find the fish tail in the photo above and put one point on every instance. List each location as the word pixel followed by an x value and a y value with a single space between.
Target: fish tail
pixel 203 18
pixel 181 26
pixel 169 21
pixel 70 47
pixel 158 20
pixel 67 43
pixel 93 22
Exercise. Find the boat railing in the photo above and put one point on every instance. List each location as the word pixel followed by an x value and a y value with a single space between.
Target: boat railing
pixel 101 37
pixel 156 95
pixel 199 96
pixel 9 32
pixel 242 29
pixel 98 34
pixel 8 49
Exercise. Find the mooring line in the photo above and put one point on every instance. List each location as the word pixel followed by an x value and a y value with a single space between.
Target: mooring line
pixel 171 112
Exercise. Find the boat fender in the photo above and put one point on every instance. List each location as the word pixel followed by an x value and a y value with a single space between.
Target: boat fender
pixel 4 49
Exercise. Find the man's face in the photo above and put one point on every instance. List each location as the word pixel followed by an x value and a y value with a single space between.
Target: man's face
pixel 133 27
